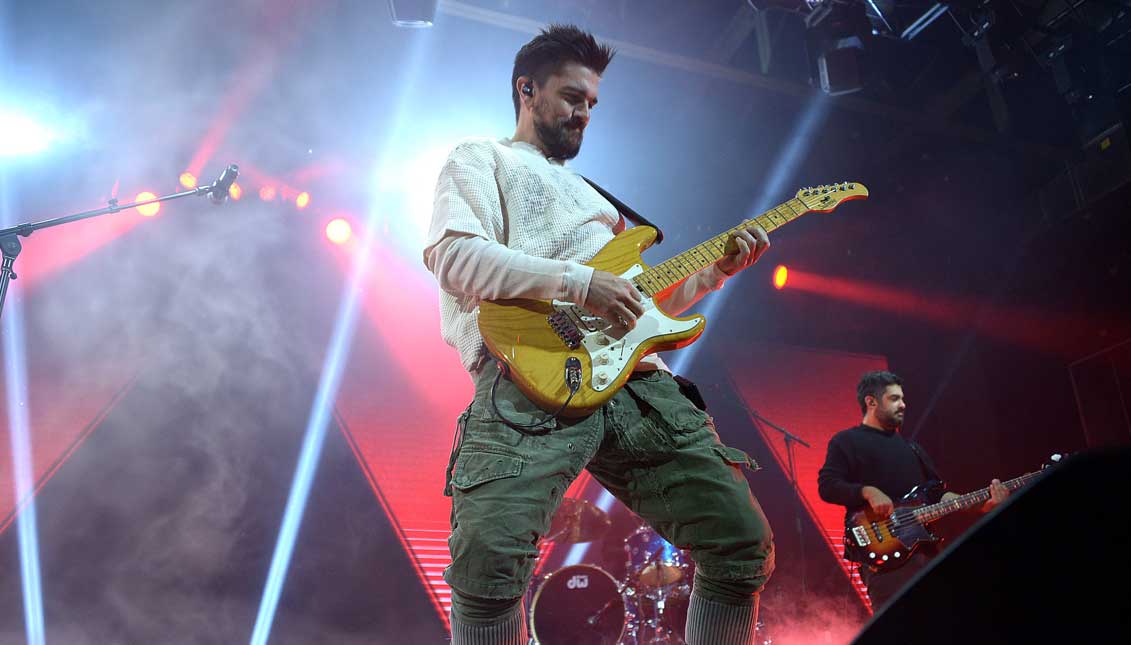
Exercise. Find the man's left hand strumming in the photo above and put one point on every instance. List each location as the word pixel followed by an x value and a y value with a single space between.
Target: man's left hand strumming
pixel 998 494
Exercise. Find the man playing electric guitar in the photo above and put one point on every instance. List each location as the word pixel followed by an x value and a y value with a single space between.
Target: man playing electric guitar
pixel 868 464
pixel 510 220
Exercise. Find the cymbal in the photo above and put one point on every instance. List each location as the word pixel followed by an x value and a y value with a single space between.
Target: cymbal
pixel 578 520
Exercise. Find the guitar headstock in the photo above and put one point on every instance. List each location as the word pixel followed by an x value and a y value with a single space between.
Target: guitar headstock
pixel 823 199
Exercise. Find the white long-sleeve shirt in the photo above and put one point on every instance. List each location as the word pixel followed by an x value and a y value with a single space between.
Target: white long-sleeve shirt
pixel 509 223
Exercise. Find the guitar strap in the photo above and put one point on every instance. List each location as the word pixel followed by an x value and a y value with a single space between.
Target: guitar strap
pixel 928 472
pixel 624 210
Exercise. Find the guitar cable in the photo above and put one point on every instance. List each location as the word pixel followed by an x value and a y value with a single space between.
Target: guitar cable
pixel 573 383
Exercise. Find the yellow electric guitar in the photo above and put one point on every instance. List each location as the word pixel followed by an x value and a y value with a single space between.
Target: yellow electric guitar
pixel 565 358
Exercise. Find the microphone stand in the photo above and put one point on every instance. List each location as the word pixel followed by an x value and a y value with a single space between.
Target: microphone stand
pixel 10 237
pixel 790 439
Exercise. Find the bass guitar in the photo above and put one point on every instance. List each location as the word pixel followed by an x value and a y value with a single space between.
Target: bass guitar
pixel 887 542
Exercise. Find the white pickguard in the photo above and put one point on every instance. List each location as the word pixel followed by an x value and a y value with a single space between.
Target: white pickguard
pixel 609 345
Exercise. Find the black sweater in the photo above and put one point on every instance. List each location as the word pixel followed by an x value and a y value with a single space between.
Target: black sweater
pixel 864 456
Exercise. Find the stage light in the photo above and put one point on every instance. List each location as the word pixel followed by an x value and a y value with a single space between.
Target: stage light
pixel 23 473
pixel 838 66
pixel 412 182
pixel 188 180
pixel 235 191
pixel 789 160
pixel 321 414
pixel 322 409
pixel 903 20
pixel 413 14
pixel 267 193
pixel 20 135
pixel 148 210
pixel 781 274
pixel 303 200
pixel 338 230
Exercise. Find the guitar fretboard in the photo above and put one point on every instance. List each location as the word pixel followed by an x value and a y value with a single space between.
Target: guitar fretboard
pixel 671 272
pixel 969 500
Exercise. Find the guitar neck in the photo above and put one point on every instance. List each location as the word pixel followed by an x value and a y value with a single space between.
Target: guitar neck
pixel 969 500
pixel 671 272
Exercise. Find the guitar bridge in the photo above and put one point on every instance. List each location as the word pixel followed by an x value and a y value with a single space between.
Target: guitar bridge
pixel 861 536
pixel 565 328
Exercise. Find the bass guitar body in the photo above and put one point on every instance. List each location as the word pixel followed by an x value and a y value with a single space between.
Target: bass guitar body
pixel 888 542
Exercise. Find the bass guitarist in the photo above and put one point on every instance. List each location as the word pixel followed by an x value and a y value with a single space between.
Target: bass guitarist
pixel 869 463
pixel 511 220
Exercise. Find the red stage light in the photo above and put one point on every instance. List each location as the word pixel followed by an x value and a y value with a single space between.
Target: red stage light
pixel 149 210
pixel 303 200
pixel 267 193
pixel 235 191
pixel 338 231
pixel 781 274
pixel 188 180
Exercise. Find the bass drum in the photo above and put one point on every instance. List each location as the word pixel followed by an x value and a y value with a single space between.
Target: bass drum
pixel 578 605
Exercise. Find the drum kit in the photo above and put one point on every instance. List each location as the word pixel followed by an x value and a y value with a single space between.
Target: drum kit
pixel 583 604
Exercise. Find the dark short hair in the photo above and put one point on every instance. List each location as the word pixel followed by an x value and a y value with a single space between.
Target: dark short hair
pixel 555 46
pixel 873 384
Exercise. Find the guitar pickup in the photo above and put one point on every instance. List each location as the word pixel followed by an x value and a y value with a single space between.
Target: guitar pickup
pixel 861 536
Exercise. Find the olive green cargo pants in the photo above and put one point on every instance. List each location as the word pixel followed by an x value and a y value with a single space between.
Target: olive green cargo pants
pixel 649 446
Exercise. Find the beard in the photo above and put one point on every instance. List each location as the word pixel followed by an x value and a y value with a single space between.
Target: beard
pixel 561 140
pixel 891 420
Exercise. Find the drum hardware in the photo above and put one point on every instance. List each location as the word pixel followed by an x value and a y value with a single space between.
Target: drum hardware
pixel 585 605
pixel 652 561
pixel 658 583
pixel 578 520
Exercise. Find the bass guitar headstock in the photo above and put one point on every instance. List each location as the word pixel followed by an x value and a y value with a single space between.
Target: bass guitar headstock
pixel 1054 459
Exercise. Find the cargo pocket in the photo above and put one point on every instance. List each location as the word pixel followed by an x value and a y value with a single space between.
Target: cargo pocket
pixel 736 457
pixel 477 467
pixel 667 407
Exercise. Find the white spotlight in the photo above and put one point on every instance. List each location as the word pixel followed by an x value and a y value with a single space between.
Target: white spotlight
pixel 20 135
